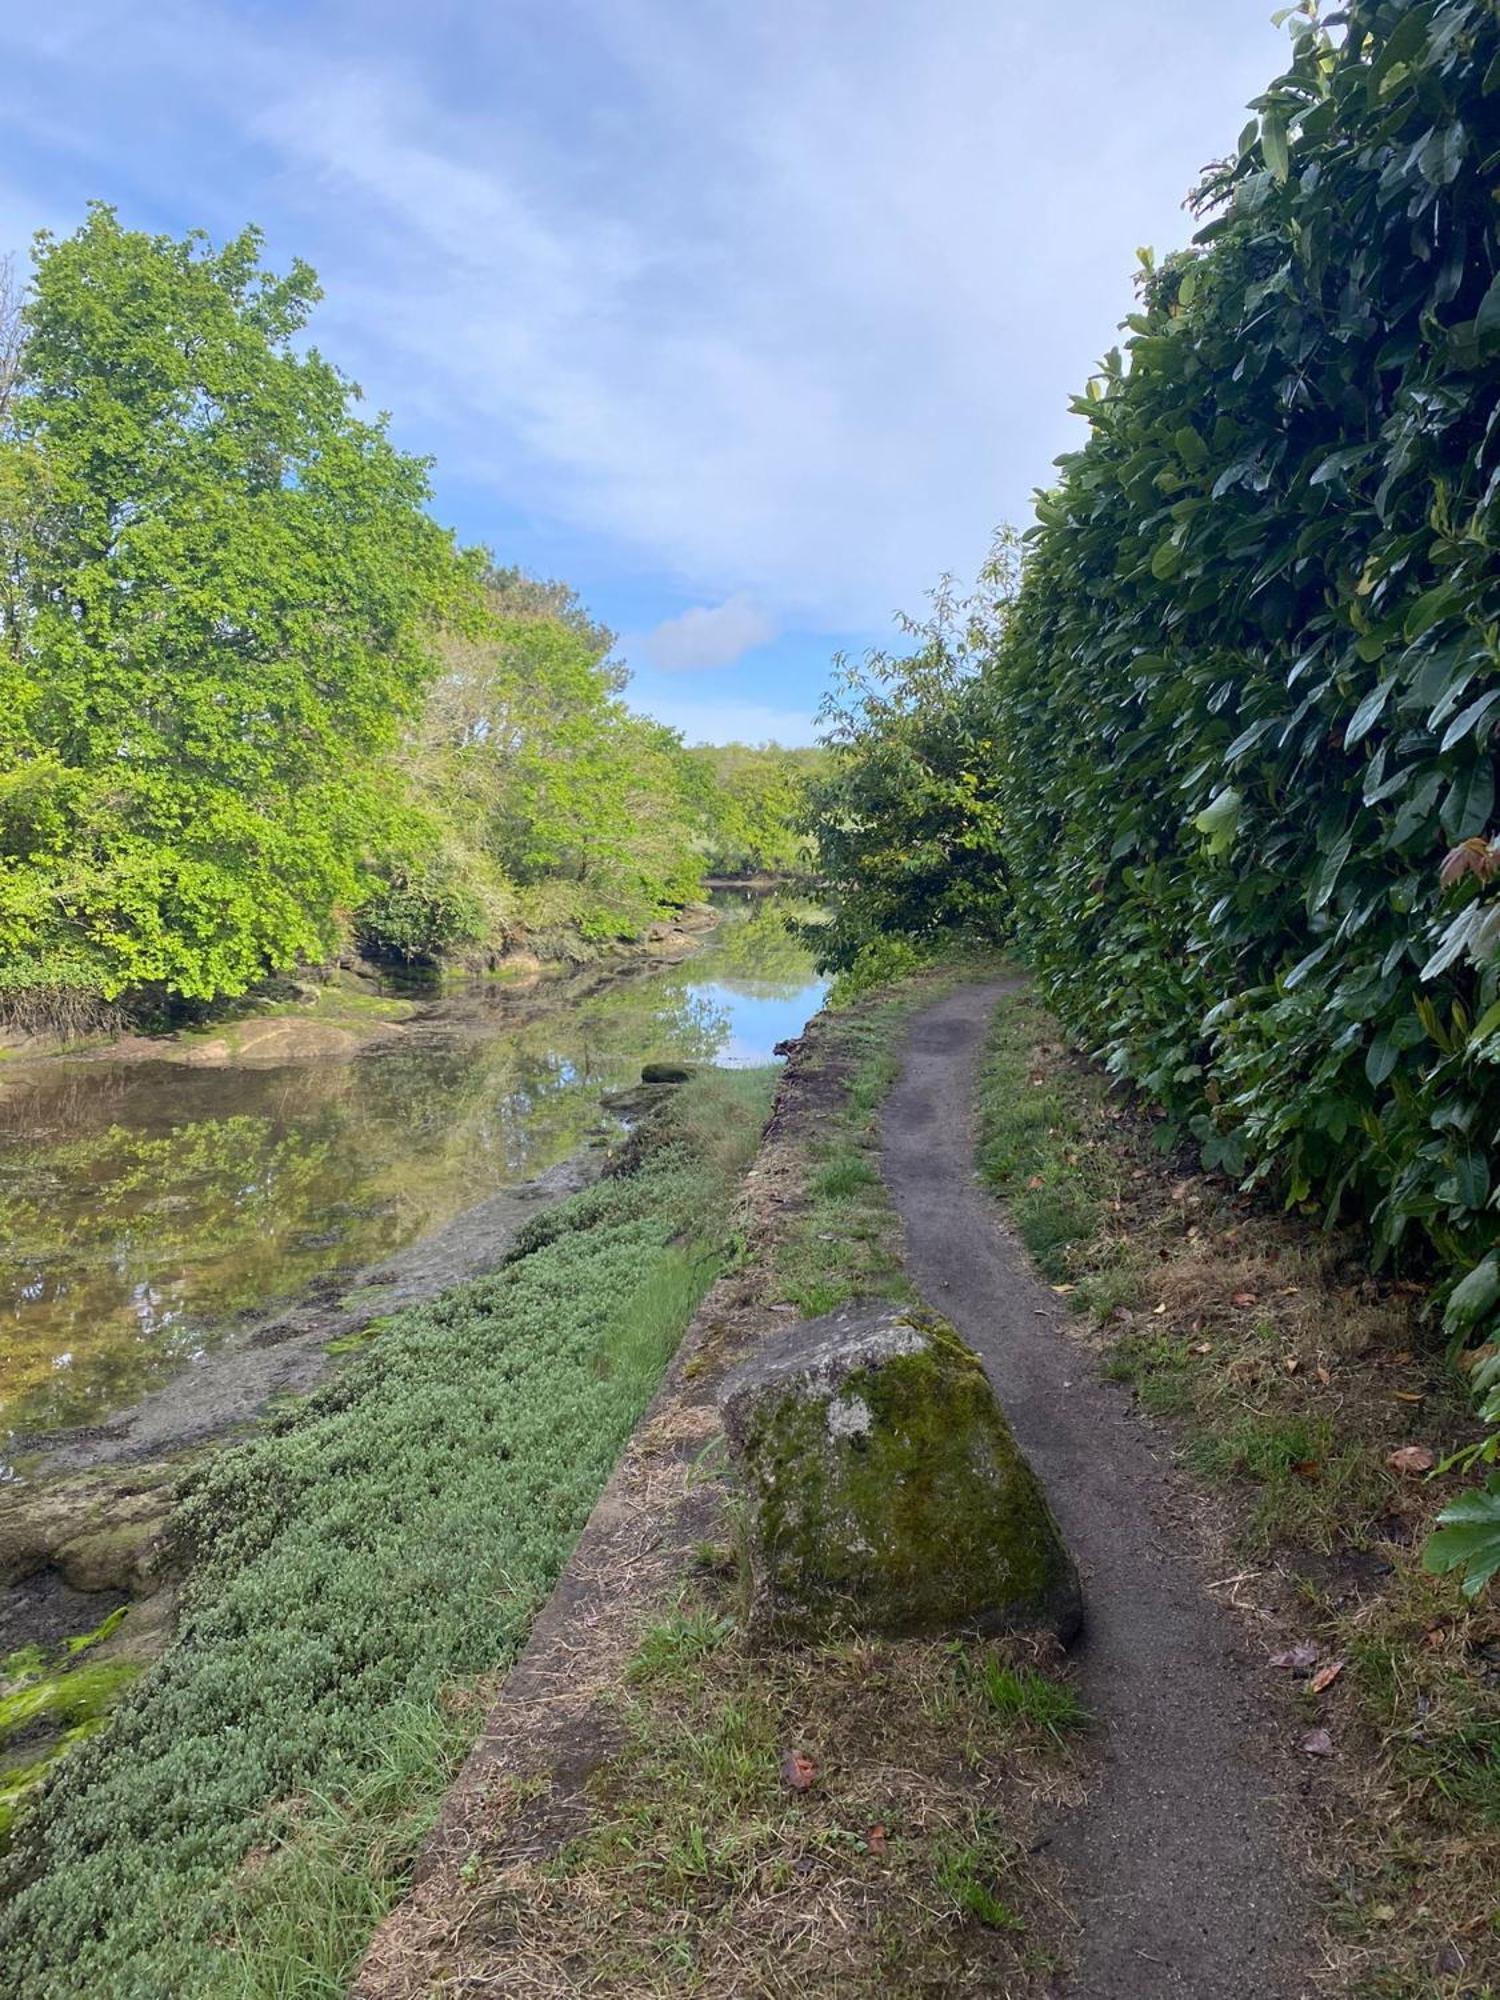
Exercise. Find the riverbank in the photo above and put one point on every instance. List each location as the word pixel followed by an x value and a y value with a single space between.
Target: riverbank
pixel 331 1012
pixel 1299 1739
pixel 351 1575
pixel 626 1825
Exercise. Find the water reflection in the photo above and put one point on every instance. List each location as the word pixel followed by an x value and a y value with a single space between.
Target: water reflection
pixel 144 1206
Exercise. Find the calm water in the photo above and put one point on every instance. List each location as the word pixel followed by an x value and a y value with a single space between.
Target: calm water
pixel 143 1206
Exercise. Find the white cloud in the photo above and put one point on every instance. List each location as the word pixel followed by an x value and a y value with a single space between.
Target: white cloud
pixel 730 721
pixel 783 302
pixel 706 636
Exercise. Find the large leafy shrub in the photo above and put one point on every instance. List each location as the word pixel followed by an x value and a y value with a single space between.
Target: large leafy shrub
pixel 1245 701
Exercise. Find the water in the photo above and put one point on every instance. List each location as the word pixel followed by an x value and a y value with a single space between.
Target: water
pixel 144 1206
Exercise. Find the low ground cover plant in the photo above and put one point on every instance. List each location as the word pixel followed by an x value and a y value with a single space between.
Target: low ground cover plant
pixel 255 1802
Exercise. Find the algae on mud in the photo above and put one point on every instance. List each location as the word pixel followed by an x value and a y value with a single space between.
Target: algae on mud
pixel 392 1537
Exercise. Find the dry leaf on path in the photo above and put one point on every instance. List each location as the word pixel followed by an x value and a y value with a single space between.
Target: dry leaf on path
pixel 798 1771
pixel 1326 1676
pixel 1411 1459
pixel 1316 1743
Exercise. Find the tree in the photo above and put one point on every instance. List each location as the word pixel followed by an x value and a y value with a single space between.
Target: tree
pixel 906 815
pixel 222 592
pixel 547 803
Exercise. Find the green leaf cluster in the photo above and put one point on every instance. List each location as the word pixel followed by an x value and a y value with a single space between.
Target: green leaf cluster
pixel 752 798
pixel 906 810
pixel 219 593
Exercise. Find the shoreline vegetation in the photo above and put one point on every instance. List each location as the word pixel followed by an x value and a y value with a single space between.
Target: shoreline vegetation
pixel 334 1621
pixel 258 710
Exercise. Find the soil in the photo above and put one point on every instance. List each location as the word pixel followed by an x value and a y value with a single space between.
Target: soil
pixel 1179 1861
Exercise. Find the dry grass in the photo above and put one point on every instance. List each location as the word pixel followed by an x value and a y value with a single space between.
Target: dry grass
pixel 1289 1374
pixel 903 1867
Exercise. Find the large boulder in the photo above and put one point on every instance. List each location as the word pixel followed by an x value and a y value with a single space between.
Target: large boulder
pixel 888 1492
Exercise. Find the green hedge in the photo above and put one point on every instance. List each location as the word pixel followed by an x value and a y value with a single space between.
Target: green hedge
pixel 1246 699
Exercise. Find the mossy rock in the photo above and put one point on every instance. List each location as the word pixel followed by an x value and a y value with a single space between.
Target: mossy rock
pixel 889 1493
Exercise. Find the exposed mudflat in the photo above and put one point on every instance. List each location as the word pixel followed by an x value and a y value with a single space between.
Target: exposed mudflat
pixel 1177 1863
pixel 285 1351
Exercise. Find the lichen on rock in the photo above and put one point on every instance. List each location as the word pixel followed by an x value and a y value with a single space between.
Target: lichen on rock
pixel 889 1493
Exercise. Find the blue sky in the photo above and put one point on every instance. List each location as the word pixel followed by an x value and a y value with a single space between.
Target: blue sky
pixel 749 318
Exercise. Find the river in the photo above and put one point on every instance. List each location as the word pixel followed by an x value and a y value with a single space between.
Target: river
pixel 149 1211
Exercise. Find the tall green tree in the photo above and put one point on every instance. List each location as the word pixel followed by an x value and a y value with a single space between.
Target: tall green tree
pixel 548 804
pixel 221 588
pixel 906 811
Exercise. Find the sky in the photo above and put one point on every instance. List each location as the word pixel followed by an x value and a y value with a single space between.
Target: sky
pixel 747 318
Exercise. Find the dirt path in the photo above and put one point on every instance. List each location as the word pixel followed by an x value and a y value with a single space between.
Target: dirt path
pixel 1180 1872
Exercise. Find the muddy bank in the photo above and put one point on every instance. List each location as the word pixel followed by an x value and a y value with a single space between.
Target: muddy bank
pixel 285 1351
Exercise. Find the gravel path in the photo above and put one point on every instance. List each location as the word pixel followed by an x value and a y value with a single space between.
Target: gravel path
pixel 1179 1869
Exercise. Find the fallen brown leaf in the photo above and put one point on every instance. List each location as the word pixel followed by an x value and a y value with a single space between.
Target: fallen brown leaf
pixel 875 1839
pixel 1308 1469
pixel 1411 1459
pixel 1316 1743
pixel 1291 1363
pixel 1243 1299
pixel 798 1771
pixel 1323 1375
pixel 1410 1396
pixel 1326 1676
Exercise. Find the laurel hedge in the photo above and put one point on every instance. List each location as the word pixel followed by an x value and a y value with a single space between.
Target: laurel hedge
pixel 1245 702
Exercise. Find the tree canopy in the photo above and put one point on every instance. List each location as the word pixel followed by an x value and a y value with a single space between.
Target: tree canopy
pixel 222 589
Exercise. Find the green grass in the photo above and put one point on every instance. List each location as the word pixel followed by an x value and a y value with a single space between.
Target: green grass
pixel 1033 1700
pixel 843 1242
pixel 254 1804
pixel 1035 1150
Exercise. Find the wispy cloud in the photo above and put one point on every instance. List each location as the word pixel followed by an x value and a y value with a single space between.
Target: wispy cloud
pixel 706 636
pixel 779 306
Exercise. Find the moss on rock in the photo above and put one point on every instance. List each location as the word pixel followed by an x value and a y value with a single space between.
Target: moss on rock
pixel 889 1491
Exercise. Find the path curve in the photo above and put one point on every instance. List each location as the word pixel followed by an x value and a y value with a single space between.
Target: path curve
pixel 1179 1869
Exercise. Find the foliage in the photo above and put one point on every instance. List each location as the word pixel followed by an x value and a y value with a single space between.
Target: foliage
pixel 396 1532
pixel 1247 694
pixel 219 588
pixel 906 804
pixel 541 801
pixel 752 802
